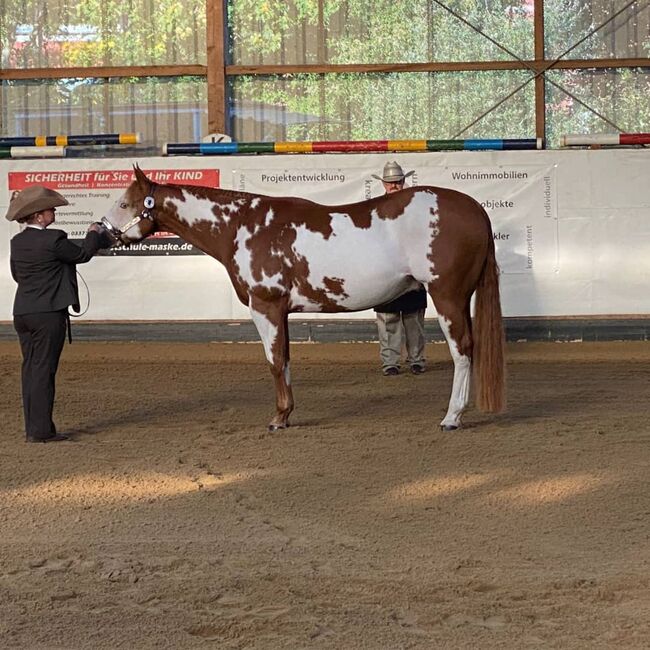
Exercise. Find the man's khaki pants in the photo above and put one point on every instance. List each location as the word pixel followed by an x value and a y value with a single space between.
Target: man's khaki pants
pixel 396 329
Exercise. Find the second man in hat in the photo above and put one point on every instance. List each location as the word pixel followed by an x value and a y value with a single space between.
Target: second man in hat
pixel 402 319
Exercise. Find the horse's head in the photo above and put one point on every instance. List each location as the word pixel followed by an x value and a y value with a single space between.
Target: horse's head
pixel 132 218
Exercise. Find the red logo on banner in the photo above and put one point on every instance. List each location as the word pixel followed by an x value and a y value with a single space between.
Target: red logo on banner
pixel 110 178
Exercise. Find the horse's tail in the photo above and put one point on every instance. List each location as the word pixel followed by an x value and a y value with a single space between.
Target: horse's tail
pixel 489 339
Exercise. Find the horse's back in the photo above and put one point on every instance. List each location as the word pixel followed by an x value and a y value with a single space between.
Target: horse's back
pixel 422 201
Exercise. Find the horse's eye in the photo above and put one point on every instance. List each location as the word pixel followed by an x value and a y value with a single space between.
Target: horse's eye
pixel 124 206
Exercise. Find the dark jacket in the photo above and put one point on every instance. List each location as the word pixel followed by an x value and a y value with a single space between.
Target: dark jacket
pixel 43 264
pixel 407 303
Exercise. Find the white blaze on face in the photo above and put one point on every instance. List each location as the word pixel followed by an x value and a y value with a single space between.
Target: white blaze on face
pixel 267 331
pixel 374 263
pixel 120 215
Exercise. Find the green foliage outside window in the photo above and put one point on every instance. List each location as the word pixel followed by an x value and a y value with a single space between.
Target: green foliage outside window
pixel 378 106
pixel 371 105
pixel 433 105
pixel 375 31
pixel 61 33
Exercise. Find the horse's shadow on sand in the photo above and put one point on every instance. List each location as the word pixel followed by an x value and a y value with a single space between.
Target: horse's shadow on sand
pixel 231 399
pixel 203 404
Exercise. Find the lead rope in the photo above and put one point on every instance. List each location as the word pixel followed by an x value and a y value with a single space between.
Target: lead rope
pixel 81 313
pixel 69 313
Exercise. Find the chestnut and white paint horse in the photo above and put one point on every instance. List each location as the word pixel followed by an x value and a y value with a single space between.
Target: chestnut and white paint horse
pixel 286 255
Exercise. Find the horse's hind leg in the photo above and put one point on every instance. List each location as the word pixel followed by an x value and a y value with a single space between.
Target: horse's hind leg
pixel 271 321
pixel 455 322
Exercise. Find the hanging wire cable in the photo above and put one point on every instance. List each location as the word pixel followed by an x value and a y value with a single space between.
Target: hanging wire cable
pixel 541 72
pixel 518 88
pixel 492 108
pixel 593 31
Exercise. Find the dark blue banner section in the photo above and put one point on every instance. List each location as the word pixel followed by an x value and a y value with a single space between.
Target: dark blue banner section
pixel 152 246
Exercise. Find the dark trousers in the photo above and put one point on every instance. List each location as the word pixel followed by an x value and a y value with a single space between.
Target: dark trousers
pixel 41 339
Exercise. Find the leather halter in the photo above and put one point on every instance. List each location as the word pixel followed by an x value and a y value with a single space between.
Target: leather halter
pixel 117 233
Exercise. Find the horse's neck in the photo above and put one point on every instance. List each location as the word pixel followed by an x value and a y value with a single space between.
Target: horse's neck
pixel 208 220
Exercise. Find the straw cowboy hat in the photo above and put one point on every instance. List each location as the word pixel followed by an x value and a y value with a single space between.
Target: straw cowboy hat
pixel 31 200
pixel 393 173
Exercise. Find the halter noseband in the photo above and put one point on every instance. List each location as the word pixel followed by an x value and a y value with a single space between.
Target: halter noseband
pixel 146 213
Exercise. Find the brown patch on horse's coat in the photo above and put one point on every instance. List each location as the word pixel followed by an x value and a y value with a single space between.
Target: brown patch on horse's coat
pixel 392 206
pixel 360 214
pixel 268 294
pixel 457 212
pixel 335 286
pixel 314 294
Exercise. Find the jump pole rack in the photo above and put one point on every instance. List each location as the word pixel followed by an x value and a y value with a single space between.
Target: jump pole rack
pixel 54 146
pixel 31 152
pixel 597 140
pixel 346 146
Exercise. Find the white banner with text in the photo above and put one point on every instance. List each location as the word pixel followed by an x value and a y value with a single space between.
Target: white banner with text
pixel 571 228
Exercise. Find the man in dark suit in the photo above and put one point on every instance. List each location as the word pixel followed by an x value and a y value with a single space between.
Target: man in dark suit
pixel 43 264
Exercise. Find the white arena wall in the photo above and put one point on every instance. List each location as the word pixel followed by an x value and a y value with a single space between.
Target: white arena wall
pixel 572 227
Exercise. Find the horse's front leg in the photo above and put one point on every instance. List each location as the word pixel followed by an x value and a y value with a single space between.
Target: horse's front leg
pixel 271 320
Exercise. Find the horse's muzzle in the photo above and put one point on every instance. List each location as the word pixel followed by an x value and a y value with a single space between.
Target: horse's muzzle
pixel 115 234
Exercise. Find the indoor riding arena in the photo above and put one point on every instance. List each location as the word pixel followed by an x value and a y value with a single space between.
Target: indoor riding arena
pixel 216 213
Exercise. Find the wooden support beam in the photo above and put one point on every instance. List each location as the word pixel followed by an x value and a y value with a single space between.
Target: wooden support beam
pixel 103 72
pixel 540 82
pixel 352 68
pixel 197 70
pixel 537 65
pixel 216 50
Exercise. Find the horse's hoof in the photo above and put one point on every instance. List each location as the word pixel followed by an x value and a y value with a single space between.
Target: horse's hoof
pixel 278 427
pixel 448 427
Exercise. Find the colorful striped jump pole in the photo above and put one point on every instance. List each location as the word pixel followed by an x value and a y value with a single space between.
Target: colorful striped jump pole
pixel 346 146
pixel 32 152
pixel 70 140
pixel 604 139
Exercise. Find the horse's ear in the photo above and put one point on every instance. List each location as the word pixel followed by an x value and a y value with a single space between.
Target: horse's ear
pixel 140 176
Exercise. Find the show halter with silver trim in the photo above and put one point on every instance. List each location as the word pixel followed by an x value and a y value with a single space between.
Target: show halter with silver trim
pixel 118 233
